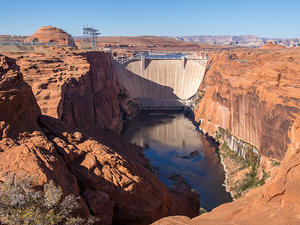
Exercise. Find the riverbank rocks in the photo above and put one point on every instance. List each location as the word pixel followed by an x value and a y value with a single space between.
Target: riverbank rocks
pixel 128 191
pixel 276 202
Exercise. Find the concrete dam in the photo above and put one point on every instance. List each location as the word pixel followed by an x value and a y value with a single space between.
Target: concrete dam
pixel 162 83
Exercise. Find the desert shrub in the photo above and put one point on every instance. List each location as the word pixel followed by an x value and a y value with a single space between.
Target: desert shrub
pixel 275 163
pixel 202 210
pixel 22 203
pixel 250 180
pixel 262 181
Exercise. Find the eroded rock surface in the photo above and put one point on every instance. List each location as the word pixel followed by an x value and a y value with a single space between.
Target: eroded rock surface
pixel 18 108
pixel 51 35
pixel 276 202
pixel 79 88
pixel 255 95
pixel 110 175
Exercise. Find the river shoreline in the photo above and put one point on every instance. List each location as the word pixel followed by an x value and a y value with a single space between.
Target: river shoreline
pixel 175 147
pixel 216 144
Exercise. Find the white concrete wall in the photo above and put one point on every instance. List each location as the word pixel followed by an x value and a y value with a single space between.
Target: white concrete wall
pixel 162 78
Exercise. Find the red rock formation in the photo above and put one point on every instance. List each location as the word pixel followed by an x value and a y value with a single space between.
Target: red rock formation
pixel 17 102
pixel 271 45
pixel 24 148
pixel 51 35
pixel 124 188
pixel 81 89
pixel 274 203
pixel 254 95
pixel 112 178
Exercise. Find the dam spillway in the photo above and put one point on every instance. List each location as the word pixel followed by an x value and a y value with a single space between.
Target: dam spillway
pixel 162 82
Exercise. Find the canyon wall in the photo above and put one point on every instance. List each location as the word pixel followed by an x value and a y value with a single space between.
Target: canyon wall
pixel 17 101
pixel 111 177
pixel 276 202
pixel 79 88
pixel 253 97
pixel 253 94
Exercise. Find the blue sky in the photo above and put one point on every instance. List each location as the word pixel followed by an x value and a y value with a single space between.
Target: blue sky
pixel 264 18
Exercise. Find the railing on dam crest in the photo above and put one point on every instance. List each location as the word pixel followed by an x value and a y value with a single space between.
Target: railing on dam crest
pixel 125 58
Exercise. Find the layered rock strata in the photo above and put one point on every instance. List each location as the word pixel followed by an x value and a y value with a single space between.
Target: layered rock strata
pixel 80 88
pixel 253 96
pixel 276 202
pixel 111 176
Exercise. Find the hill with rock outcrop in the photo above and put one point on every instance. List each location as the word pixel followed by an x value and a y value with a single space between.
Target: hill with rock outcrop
pixel 51 35
pixel 271 45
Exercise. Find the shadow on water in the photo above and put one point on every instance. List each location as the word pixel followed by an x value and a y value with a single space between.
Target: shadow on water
pixel 180 155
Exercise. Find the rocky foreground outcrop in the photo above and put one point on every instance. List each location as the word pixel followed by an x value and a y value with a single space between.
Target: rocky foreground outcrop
pixel 111 176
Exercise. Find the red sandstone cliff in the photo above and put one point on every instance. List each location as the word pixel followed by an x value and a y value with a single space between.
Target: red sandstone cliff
pixel 274 203
pixel 110 175
pixel 17 101
pixel 255 95
pixel 80 88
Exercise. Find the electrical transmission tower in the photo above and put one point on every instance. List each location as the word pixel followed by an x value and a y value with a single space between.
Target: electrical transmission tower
pixel 89 37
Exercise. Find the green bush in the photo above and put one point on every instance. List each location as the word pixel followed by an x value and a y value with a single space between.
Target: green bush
pixel 251 180
pixel 23 203
pixel 275 163
pixel 202 210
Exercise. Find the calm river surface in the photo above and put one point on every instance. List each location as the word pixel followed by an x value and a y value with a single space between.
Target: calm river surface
pixel 180 155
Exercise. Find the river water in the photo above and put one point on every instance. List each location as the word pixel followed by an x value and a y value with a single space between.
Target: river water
pixel 180 155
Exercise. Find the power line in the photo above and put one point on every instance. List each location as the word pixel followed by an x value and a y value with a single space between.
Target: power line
pixel 90 37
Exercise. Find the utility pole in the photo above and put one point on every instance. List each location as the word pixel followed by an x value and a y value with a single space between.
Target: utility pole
pixel 90 37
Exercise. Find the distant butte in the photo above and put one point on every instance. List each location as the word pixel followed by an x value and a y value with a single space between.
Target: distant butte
pixel 271 45
pixel 51 35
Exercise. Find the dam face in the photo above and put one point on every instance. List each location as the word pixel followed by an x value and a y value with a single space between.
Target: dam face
pixel 153 81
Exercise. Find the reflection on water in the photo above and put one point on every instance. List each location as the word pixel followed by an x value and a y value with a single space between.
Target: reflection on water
pixel 180 155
